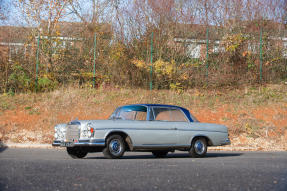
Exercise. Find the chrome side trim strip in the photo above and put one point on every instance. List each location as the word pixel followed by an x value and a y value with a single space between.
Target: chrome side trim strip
pixel 160 146
pixel 149 128
pixel 92 140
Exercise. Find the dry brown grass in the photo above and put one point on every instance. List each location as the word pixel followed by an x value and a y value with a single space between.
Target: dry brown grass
pixel 252 114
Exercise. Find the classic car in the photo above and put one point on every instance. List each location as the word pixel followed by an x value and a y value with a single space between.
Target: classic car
pixel 141 127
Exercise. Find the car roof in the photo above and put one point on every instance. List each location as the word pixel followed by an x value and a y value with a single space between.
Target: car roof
pixel 158 105
pixel 186 112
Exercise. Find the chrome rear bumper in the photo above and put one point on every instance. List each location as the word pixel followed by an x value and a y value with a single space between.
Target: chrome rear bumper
pixel 226 142
pixel 92 142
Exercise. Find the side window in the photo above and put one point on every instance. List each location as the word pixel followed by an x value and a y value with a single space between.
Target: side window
pixel 168 114
pixel 127 115
pixel 140 116
pixel 132 113
pixel 161 114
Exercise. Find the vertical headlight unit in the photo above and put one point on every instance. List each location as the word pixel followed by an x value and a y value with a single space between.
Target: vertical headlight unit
pixel 91 130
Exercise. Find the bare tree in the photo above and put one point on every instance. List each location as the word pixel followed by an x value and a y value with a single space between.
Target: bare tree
pixel 284 15
pixel 4 9
pixel 92 11
pixel 45 15
pixel 1 10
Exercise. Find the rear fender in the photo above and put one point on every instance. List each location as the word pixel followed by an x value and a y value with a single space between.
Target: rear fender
pixel 209 142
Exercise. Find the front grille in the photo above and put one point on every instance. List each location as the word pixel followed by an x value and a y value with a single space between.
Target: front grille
pixel 72 133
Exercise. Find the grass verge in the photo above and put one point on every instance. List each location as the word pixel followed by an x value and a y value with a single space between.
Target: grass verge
pixel 256 116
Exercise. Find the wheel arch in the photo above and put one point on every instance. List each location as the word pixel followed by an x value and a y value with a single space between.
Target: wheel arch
pixel 208 140
pixel 124 135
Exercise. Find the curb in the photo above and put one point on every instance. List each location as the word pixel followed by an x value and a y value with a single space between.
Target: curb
pixel 26 145
pixel 31 146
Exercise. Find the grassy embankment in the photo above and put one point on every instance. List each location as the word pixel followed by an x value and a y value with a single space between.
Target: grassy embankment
pixel 256 116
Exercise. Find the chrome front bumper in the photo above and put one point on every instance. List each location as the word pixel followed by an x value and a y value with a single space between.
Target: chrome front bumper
pixel 91 142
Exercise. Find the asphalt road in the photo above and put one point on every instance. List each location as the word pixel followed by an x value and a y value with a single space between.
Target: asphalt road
pixel 52 169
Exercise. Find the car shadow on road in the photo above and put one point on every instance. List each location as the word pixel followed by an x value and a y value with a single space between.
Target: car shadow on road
pixel 173 155
pixel 215 155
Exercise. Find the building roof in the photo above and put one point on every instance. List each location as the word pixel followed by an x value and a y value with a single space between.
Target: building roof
pixel 13 34
pixel 76 29
pixel 16 35
pixel 197 31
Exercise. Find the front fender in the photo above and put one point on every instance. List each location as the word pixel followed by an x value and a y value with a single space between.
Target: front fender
pixel 124 134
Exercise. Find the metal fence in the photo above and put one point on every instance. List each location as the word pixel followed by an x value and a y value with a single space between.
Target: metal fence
pixel 209 56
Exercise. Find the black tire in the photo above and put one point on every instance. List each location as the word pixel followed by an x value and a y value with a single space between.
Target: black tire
pixel 76 152
pixel 159 154
pixel 115 147
pixel 198 148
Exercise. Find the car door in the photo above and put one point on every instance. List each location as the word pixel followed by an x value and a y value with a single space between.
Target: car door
pixel 161 133
pixel 154 132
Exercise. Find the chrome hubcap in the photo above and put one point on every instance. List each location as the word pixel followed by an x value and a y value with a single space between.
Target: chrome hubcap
pixel 199 147
pixel 115 147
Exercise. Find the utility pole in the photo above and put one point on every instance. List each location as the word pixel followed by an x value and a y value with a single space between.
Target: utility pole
pixel 94 71
pixel 261 56
pixel 37 62
pixel 207 41
pixel 151 47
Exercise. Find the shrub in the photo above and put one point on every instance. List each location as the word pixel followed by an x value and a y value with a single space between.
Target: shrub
pixel 46 84
pixel 19 79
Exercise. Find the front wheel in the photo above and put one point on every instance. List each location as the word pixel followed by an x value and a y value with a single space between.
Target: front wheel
pixel 198 148
pixel 76 152
pixel 115 147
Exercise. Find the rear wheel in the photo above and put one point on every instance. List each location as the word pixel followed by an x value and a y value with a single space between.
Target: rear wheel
pixel 159 154
pixel 76 152
pixel 115 147
pixel 198 148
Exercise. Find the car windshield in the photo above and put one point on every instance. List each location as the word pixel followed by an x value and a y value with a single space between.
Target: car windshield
pixel 137 112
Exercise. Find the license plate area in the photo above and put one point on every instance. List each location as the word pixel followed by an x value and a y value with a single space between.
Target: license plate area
pixel 67 144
